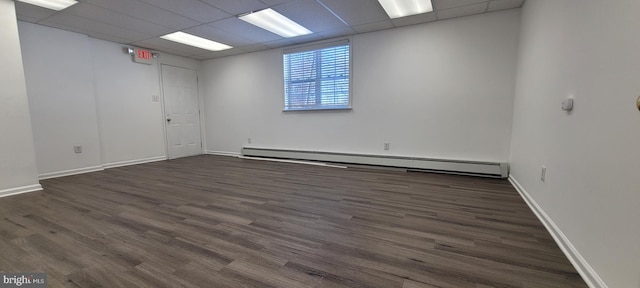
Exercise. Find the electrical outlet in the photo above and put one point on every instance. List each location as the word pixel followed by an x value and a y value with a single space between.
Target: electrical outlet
pixel 386 146
pixel 543 173
pixel 77 149
pixel 249 140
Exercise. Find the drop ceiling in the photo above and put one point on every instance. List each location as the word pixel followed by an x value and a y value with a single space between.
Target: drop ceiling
pixel 140 23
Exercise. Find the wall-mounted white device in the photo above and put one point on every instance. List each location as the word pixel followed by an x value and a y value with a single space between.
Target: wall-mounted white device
pixel 567 104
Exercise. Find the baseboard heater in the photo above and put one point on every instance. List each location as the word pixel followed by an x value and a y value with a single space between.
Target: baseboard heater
pixel 477 168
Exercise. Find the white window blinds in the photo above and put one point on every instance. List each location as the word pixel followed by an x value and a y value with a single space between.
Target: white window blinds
pixel 317 77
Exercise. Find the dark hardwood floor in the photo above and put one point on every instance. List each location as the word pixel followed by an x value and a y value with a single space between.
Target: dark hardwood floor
pixel 213 221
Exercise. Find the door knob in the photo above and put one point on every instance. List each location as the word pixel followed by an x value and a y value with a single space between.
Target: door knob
pixel 168 119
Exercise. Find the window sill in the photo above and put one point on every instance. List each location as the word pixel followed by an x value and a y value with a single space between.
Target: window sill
pixel 320 109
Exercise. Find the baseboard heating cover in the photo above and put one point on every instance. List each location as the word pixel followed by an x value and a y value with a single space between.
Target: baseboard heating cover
pixel 488 169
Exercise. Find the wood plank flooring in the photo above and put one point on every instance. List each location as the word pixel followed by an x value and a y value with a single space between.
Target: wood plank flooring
pixel 213 221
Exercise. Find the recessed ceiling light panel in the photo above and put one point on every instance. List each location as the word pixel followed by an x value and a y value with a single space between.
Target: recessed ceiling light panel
pixel 402 8
pixel 275 22
pixel 195 41
pixel 51 4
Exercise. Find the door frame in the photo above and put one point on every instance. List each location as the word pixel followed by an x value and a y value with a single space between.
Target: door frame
pixel 163 109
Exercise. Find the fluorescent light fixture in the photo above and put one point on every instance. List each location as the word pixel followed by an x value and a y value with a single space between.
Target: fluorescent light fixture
pixel 269 19
pixel 402 8
pixel 51 4
pixel 195 41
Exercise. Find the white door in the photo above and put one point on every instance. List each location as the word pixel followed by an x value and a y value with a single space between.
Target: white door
pixel 180 89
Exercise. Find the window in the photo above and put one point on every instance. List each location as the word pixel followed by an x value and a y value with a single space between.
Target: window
pixel 317 77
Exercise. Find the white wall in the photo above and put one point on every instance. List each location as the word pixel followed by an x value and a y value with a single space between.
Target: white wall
pixel 18 171
pixel 130 123
pixel 442 90
pixel 591 193
pixel 88 92
pixel 59 78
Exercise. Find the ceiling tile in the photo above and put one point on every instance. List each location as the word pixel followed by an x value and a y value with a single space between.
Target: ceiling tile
pixel 462 11
pixel 71 29
pixel 414 19
pixel 159 43
pixel 26 19
pixel 373 26
pixel 211 33
pixel 357 12
pixel 89 33
pixel 109 38
pixel 274 2
pixel 140 22
pixel 279 43
pixel 110 17
pixel 237 7
pixel 198 57
pixel 147 12
pixel 504 4
pixel 448 4
pixel 236 26
pixel 254 47
pixel 93 26
pixel 28 11
pixel 231 52
pixel 224 53
pixel 193 9
pixel 310 14
pixel 339 32
pixel 307 38
pixel 158 48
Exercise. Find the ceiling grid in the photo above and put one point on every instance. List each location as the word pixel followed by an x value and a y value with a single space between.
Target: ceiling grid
pixel 142 22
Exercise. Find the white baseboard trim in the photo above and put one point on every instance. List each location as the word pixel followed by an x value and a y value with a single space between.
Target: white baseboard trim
pixel 588 274
pixel 222 153
pixel 70 172
pixel 20 190
pixel 99 168
pixel 134 162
